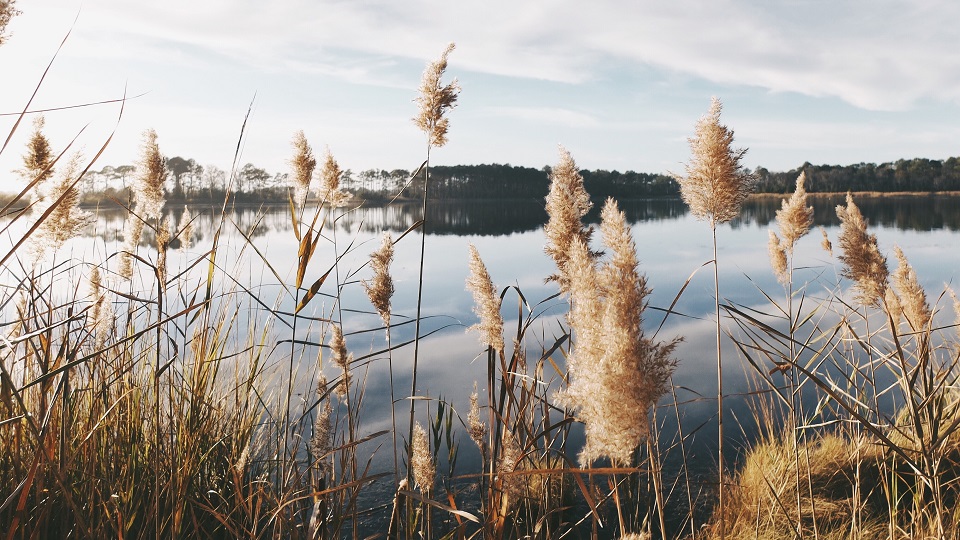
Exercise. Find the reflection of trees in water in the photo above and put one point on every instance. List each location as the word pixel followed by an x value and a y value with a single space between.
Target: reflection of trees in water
pixel 906 212
pixel 494 218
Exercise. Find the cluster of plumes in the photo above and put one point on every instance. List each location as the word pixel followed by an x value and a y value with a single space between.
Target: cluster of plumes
pixel 303 164
pixel 185 233
pixel 340 357
pixel 7 12
pixel 862 260
pixel 330 175
pixel 148 197
pixel 616 373
pixel 60 201
pixel 320 443
pixel 380 289
pixel 421 462
pixel 794 220
pixel 715 184
pixel 100 321
pixel 567 203
pixel 475 426
pixel 911 300
pixel 434 100
pixel 486 303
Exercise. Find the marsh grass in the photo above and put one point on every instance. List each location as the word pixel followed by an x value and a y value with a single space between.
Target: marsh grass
pixel 165 397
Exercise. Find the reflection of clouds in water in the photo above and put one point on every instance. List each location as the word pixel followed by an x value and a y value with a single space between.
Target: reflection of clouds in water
pixel 509 237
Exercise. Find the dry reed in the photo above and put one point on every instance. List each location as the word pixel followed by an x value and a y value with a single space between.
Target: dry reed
pixel 486 303
pixel 380 289
pixel 863 262
pixel 435 99
pixel 567 204
pixel 303 163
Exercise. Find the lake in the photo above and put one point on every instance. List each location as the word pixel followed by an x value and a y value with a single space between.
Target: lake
pixel 672 246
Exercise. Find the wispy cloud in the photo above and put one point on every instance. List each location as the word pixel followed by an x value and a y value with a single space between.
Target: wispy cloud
pixel 548 115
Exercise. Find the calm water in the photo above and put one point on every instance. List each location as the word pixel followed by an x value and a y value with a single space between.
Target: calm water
pixel 672 247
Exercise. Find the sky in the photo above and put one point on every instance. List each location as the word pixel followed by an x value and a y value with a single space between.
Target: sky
pixel 620 84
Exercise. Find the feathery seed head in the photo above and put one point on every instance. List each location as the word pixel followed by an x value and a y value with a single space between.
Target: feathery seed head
pixel 956 311
pixel 434 100
pixel 862 260
pixel 303 164
pixel 66 220
pixel 424 469
pixel 794 217
pixel 330 175
pixel 38 161
pixel 151 175
pixel 825 243
pixel 778 258
pixel 616 373
pixel 7 11
pixel 320 443
pixel 101 318
pixel 186 229
pixel 715 184
pixel 341 358
pixel 475 426
pixel 380 290
pixel 486 303
pixel 912 296
pixel 567 203
pixel 163 243
pixel 132 231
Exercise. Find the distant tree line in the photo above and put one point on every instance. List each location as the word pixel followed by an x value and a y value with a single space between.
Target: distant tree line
pixel 188 180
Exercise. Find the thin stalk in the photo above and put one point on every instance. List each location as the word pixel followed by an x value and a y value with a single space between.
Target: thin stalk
pixel 416 338
pixel 716 288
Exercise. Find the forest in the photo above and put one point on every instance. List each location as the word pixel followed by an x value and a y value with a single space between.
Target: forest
pixel 190 180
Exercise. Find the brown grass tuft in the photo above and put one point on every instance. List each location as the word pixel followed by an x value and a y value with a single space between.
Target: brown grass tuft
pixel 912 296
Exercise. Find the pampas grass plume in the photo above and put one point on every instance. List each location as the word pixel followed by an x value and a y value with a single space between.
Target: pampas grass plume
pixel 475 427
pixel 435 99
pixel 616 373
pixel 863 262
pixel 330 175
pixel 825 242
pixel 38 161
pixel 424 469
pixel 715 184
pixel 151 176
pixel 486 302
pixel 778 258
pixel 341 358
pixel 303 164
pixel 913 299
pixel 567 203
pixel 380 289
pixel 794 217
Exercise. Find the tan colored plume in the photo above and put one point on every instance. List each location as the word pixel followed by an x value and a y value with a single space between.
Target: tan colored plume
pixel 435 99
